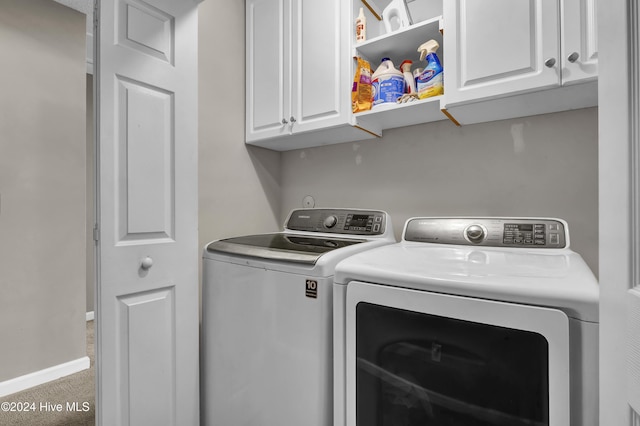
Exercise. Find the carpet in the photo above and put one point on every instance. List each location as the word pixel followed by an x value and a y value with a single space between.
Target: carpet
pixel 69 401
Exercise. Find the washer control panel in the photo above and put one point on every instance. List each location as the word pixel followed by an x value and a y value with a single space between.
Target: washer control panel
pixel 338 221
pixel 492 232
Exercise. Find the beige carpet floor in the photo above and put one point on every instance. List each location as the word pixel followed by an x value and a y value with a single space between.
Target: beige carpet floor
pixel 77 388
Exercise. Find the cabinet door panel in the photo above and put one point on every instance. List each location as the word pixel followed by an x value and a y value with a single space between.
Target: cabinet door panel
pixel 579 36
pixel 318 64
pixel 479 39
pixel 266 71
pixel 500 47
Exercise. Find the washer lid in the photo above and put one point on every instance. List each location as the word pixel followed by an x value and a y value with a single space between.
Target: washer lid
pixel 556 278
pixel 281 246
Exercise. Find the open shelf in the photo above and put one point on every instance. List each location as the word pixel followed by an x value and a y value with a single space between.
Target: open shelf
pixel 401 44
pixel 389 116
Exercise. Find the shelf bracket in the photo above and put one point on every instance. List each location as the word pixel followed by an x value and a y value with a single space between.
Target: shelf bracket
pixel 373 8
pixel 450 117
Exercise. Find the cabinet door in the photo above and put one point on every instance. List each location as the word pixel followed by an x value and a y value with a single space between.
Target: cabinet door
pixel 580 41
pixel 500 47
pixel 266 69
pixel 320 71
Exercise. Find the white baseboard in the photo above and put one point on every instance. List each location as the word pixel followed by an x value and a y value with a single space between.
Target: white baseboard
pixel 43 376
pixel 90 316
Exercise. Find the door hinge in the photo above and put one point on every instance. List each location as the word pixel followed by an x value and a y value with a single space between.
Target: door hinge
pixel 95 17
pixel 96 233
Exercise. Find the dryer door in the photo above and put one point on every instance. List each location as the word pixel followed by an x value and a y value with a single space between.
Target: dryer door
pixel 416 357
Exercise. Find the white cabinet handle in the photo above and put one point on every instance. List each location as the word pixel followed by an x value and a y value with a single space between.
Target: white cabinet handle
pixel 284 121
pixel 292 119
pixel 573 57
pixel 146 263
pixel 549 63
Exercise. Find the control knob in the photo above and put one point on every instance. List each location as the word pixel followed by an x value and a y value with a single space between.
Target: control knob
pixel 475 233
pixel 330 221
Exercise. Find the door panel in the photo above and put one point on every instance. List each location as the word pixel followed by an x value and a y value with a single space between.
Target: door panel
pixel 319 64
pixel 146 28
pixel 267 69
pixel 500 47
pixel 633 348
pixel 147 295
pixel 317 70
pixel 146 200
pixel 579 36
pixel 146 325
pixel 477 66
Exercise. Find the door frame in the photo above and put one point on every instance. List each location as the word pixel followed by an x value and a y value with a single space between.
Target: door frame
pixel 619 210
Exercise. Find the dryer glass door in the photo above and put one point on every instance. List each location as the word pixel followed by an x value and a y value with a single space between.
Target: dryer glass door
pixel 449 360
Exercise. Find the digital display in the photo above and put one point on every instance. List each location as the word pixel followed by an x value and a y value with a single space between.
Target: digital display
pixel 359 220
pixel 518 227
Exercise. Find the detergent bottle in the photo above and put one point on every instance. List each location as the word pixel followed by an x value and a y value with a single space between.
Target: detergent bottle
pixel 430 81
pixel 387 83
pixel 409 80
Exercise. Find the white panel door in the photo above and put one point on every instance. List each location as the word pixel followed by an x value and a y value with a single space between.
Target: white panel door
pixel 147 295
pixel 501 47
pixel 619 213
pixel 579 41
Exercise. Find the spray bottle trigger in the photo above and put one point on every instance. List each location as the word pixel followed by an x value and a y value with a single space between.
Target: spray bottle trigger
pixel 428 47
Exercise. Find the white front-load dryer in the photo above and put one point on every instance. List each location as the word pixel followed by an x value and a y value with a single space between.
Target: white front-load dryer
pixel 467 321
pixel 267 314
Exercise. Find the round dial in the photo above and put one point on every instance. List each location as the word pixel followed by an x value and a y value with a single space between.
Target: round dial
pixel 475 233
pixel 330 221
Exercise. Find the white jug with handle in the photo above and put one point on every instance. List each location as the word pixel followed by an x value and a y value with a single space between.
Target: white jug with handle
pixel 396 16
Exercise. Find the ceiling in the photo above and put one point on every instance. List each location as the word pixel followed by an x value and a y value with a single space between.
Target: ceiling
pixel 84 6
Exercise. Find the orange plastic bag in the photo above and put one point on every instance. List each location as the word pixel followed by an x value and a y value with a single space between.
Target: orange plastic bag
pixel 361 90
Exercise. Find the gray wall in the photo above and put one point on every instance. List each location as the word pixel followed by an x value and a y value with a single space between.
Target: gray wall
pixel 544 165
pixel 239 186
pixel 535 166
pixel 42 186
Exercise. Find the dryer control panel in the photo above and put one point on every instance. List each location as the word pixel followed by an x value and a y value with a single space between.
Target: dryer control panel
pixel 491 232
pixel 338 221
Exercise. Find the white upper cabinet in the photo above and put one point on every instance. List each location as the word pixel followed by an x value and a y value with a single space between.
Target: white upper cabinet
pixel 514 58
pixel 299 74
pixel 501 59
pixel 500 47
pixel 579 41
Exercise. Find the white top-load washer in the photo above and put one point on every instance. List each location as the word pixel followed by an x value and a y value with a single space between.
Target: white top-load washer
pixel 474 321
pixel 267 317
